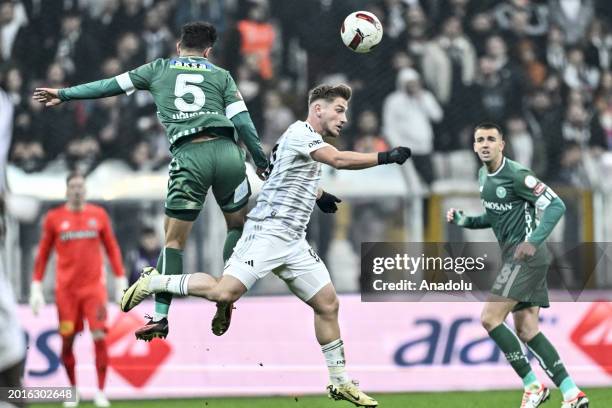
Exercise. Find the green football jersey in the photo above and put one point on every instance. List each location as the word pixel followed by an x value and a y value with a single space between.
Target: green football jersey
pixel 513 198
pixel 191 94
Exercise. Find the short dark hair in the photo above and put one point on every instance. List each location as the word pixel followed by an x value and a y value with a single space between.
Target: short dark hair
pixel 74 174
pixel 198 35
pixel 489 125
pixel 329 92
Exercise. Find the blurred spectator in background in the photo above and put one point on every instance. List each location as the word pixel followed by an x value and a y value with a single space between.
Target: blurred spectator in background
pixel 131 15
pixel 157 39
pixel 535 70
pixel 368 138
pixel 577 74
pixel 277 117
pixel 12 18
pixel 129 51
pixel 555 49
pixel 408 117
pixel 60 125
pixel 509 71
pixel 603 104
pixel 146 254
pixel 449 66
pixel 141 158
pixel 520 18
pixel 106 25
pixel 480 28
pixel 573 17
pixel 519 142
pixel 492 94
pixel 257 39
pixel 598 50
pixel 76 50
pixel 213 11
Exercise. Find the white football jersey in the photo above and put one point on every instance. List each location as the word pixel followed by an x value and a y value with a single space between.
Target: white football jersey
pixel 287 198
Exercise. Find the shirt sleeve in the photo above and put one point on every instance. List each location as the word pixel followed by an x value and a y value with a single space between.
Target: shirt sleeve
pixel 139 78
pixel 308 143
pixel 234 104
pixel 549 207
pixel 111 246
pixel 44 248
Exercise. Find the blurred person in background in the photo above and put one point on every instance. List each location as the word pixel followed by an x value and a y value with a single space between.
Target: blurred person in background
pixel 573 17
pixel 449 67
pixel 519 143
pixel 77 230
pixel 368 138
pixel 408 117
pixel 492 94
pixel 75 49
pixel 146 254
pixel 277 116
pixel 201 110
pixel 577 74
pixel 157 38
pixel 598 49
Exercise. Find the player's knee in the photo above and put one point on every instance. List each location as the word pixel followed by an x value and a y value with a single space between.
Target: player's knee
pixel 98 334
pixel 526 332
pixel 329 307
pixel 227 296
pixel 489 320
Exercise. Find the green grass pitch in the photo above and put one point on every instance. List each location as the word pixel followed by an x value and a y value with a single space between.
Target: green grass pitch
pixel 599 397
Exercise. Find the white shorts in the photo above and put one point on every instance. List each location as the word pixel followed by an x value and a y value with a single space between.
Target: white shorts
pixel 260 251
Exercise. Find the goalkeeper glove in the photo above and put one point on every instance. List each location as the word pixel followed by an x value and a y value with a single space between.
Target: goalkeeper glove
pixel 396 155
pixel 327 202
pixel 37 299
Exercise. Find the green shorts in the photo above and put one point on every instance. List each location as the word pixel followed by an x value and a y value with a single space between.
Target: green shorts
pixel 524 282
pixel 195 167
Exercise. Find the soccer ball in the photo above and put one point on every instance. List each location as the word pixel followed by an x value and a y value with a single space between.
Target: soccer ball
pixel 361 31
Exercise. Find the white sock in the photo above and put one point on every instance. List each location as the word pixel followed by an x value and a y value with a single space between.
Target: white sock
pixel 158 316
pixel 175 284
pixel 334 357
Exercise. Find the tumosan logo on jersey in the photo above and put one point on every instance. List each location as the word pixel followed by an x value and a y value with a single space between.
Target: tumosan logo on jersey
pixel 491 205
pixel 83 234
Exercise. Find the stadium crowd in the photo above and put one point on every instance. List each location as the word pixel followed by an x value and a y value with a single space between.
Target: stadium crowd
pixel 540 68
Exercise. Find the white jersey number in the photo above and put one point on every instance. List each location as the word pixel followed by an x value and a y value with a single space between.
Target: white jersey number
pixel 184 86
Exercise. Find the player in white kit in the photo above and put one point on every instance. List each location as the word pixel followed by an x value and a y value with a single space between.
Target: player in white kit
pixel 274 235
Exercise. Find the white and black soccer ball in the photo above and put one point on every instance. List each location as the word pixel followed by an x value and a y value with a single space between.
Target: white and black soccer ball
pixel 361 31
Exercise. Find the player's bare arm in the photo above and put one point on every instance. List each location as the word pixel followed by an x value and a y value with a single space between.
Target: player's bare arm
pixel 355 161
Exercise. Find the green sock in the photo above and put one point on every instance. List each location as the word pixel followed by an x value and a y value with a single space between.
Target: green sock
pixel 509 343
pixel 548 358
pixel 233 235
pixel 170 262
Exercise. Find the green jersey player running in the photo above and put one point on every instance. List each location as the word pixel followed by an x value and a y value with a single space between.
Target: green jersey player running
pixel 522 212
pixel 201 109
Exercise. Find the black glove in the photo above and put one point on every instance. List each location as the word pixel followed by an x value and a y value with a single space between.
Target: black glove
pixel 396 155
pixel 327 203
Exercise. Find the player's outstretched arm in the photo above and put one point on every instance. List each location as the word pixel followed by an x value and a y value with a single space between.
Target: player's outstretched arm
pixel 457 217
pixel 91 90
pixel 355 161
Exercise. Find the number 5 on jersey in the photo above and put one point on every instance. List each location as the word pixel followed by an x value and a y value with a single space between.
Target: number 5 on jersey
pixel 184 85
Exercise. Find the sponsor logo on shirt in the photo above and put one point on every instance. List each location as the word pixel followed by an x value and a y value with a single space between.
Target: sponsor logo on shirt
pixel 83 234
pixel 314 143
pixel 491 205
pixel 184 115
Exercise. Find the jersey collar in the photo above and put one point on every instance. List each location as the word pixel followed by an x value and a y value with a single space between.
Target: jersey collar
pixel 496 172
